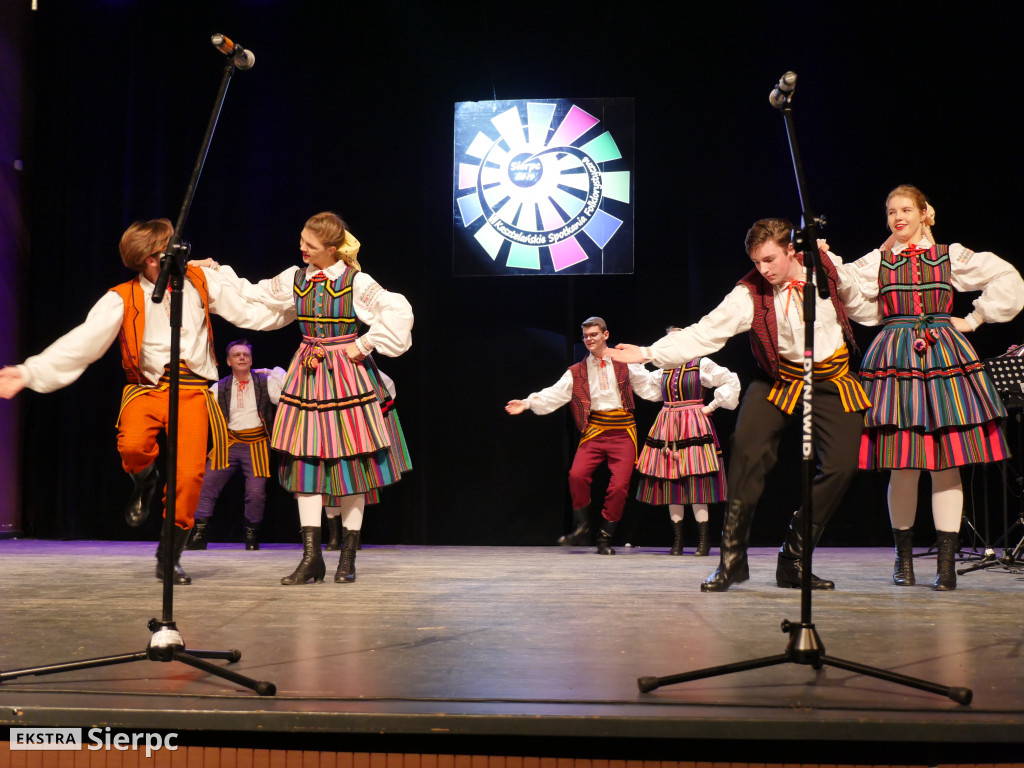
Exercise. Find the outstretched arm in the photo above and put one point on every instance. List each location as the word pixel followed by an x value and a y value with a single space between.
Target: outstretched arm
pixel 11 382
pixel 515 407
pixel 627 353
pixel 262 306
pixel 547 400
pixel 734 315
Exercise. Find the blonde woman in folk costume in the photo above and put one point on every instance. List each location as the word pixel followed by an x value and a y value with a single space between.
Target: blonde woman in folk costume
pixel 681 460
pixel 933 405
pixel 336 427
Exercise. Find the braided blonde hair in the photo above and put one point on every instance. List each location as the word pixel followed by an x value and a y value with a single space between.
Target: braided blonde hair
pixel 333 232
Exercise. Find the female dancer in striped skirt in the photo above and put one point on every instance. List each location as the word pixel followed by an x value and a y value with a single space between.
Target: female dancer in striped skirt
pixel 933 405
pixel 681 461
pixel 336 426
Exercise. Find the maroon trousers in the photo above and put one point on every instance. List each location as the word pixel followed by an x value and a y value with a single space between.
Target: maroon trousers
pixel 616 447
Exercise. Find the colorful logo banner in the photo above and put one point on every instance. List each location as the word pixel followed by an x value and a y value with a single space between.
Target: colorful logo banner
pixel 543 186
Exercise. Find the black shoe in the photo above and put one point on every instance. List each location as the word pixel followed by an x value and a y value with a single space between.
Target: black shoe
pixel 703 540
pixel 732 565
pixel 945 577
pixel 903 568
pixel 178 544
pixel 789 570
pixel 604 538
pixel 677 543
pixel 252 537
pixel 580 536
pixel 198 540
pixel 333 533
pixel 312 566
pixel 346 572
pixel 146 481
pixel 732 569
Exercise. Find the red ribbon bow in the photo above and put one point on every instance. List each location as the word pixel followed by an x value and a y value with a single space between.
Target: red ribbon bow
pixel 795 285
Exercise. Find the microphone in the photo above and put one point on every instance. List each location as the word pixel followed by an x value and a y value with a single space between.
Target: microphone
pixel 240 57
pixel 783 92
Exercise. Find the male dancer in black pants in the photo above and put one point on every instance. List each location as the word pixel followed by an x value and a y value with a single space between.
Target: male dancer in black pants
pixel 768 302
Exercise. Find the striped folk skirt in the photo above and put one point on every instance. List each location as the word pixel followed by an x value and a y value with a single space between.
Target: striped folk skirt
pixel 681 461
pixel 333 425
pixel 933 408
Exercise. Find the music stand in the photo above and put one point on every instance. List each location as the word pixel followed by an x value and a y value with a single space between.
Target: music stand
pixel 805 646
pixel 166 643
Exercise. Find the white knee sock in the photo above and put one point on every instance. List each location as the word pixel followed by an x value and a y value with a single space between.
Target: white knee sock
pixel 310 505
pixel 903 498
pixel 700 512
pixel 947 500
pixel 676 511
pixel 352 511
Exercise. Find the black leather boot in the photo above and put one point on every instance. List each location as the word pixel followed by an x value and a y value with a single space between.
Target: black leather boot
pixel 732 566
pixel 948 544
pixel 146 482
pixel 604 538
pixel 703 540
pixel 198 540
pixel 580 536
pixel 333 533
pixel 789 571
pixel 346 572
pixel 177 544
pixel 903 568
pixel 677 542
pixel 311 566
pixel 252 537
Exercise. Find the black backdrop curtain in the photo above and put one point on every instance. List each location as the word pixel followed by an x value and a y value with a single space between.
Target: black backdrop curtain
pixel 349 108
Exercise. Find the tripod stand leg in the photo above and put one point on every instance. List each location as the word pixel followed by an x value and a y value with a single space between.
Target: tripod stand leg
pixel 647 684
pixel 262 687
pixel 957 694
pixel 232 655
pixel 71 666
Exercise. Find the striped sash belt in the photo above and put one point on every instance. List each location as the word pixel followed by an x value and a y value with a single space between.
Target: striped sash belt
pixel 923 326
pixel 786 392
pixel 313 349
pixel 187 380
pixel 256 439
pixel 602 421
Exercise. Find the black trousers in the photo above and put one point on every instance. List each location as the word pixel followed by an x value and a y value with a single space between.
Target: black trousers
pixel 755 446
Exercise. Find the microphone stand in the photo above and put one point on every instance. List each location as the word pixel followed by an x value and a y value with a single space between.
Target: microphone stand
pixel 805 646
pixel 166 644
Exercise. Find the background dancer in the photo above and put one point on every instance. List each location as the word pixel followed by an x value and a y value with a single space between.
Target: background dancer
pixel 681 461
pixel 248 400
pixel 600 393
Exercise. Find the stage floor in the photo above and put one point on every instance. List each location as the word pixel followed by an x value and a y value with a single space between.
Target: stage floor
pixel 509 642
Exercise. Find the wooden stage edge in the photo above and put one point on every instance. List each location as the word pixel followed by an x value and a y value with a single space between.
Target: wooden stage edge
pixel 502 653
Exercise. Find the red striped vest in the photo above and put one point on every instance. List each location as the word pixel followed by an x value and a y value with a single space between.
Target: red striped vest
pixel 764 331
pixel 580 402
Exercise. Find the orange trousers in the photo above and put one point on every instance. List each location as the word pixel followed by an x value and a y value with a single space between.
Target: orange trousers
pixel 143 419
